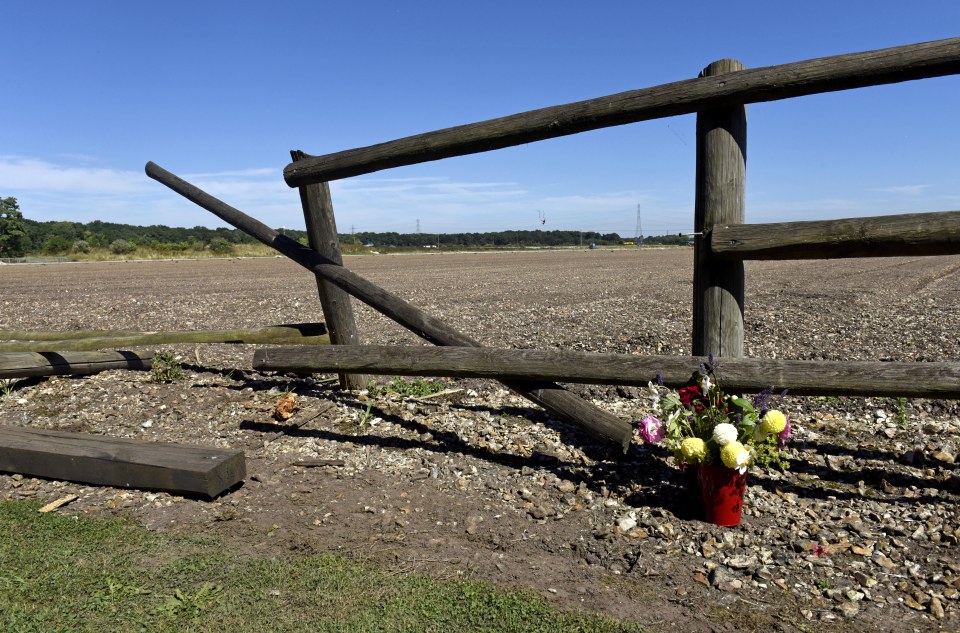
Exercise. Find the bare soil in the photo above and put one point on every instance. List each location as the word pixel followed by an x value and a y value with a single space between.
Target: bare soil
pixel 860 534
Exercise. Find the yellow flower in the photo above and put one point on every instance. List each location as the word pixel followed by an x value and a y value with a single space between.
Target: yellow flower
pixel 774 422
pixel 734 455
pixel 694 449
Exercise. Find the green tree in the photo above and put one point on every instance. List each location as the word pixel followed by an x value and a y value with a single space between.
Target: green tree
pixel 13 234
pixel 121 247
pixel 221 246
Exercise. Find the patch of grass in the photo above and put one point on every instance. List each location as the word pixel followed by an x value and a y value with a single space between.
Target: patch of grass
pixel 63 573
pixel 166 368
pixel 7 385
pixel 902 415
pixel 417 387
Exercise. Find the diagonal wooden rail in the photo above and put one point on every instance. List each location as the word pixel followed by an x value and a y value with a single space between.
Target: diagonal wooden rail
pixel 769 83
pixel 552 397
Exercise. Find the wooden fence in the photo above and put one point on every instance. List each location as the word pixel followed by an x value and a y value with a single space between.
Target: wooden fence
pixel 718 97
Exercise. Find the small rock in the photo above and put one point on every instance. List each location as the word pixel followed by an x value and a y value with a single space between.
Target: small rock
pixel 566 487
pixel 847 609
pixel 722 579
pixel 742 562
pixel 943 456
pixel 864 580
pixel 913 604
pixel 627 522
pixel 861 551
pixel 936 608
pixel 473 523
pixel 540 512
pixel 854 596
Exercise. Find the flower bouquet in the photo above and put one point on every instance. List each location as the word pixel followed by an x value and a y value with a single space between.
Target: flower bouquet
pixel 720 435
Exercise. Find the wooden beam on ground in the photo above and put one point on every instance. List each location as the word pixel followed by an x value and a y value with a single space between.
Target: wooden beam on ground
pixel 556 400
pixel 770 83
pixel 322 237
pixel 42 341
pixel 122 463
pixel 908 234
pixel 32 364
pixel 735 375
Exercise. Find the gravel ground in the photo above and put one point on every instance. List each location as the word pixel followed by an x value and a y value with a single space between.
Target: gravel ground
pixel 860 533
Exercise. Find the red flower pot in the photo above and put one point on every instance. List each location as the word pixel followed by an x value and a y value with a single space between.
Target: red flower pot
pixel 722 490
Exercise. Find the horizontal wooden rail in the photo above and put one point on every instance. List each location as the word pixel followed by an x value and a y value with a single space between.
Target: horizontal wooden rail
pixel 911 234
pixel 33 364
pixel 770 83
pixel 738 375
pixel 42 341
pixel 559 402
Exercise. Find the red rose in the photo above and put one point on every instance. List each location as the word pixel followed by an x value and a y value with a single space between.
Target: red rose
pixel 691 397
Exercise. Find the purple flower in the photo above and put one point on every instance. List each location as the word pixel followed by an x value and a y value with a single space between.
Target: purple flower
pixel 651 430
pixel 785 434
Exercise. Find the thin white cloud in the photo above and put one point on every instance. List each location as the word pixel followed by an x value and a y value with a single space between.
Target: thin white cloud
pixel 62 191
pixel 78 190
pixel 906 190
pixel 19 173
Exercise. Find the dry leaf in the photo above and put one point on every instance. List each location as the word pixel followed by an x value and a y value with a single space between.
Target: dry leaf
pixel 53 505
pixel 286 406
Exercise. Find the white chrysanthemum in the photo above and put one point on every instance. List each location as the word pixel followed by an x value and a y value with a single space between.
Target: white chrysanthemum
pixel 724 433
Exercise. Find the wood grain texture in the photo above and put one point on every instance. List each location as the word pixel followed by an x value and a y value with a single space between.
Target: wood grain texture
pixel 736 375
pixel 43 341
pixel 32 364
pixel 770 83
pixel 123 463
pixel 910 234
pixel 556 400
pixel 718 287
pixel 322 237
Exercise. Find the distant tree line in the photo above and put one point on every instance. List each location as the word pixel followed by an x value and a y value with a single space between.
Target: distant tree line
pixel 59 237
pixel 496 239
pixel 21 236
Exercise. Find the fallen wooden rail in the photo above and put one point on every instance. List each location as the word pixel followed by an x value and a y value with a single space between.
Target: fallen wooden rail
pixel 559 402
pixel 909 234
pixel 770 83
pixel 743 375
pixel 42 341
pixel 123 463
pixel 32 364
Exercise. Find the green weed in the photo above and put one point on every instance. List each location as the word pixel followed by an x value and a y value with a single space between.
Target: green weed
pixel 166 368
pixel 399 385
pixel 902 417
pixel 7 386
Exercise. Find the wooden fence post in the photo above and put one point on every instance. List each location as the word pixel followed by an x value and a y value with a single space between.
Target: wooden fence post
pixel 721 168
pixel 322 236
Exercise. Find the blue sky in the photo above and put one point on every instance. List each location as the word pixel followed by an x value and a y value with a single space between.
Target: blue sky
pixel 219 92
